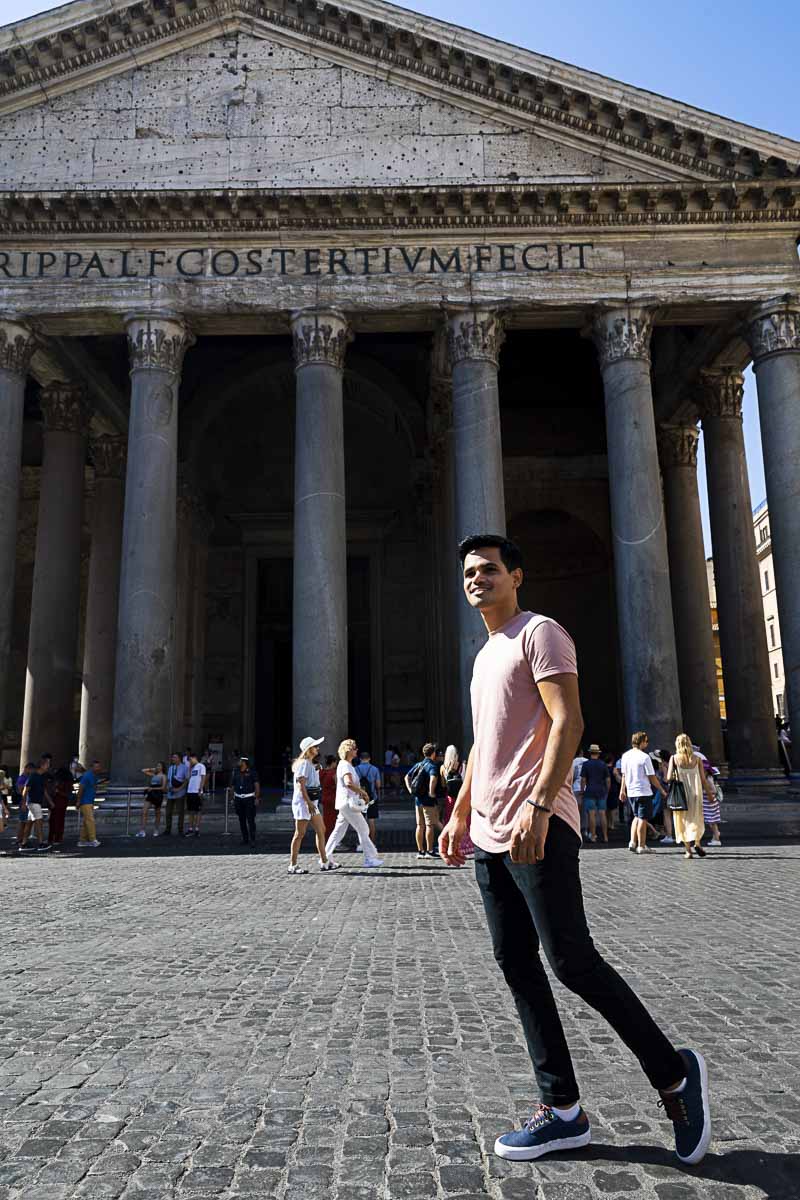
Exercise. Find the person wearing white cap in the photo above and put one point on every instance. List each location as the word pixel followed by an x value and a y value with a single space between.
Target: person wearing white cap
pixel 305 802
pixel 351 804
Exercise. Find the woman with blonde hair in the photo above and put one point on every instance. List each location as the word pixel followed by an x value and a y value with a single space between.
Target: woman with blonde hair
pixel 305 805
pixel 450 772
pixel 351 804
pixel 687 767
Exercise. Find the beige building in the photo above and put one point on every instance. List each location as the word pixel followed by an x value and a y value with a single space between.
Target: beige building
pixel 295 295
pixel 772 625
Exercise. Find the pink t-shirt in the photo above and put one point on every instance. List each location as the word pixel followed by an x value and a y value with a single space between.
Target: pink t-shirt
pixel 511 725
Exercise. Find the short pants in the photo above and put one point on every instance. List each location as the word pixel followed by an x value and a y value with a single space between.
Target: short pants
pixel 642 807
pixel 35 811
pixel 300 810
pixel 154 797
pixel 594 803
pixel 194 802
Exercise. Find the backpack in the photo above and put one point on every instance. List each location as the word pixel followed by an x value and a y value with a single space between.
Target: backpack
pixel 418 779
pixel 367 783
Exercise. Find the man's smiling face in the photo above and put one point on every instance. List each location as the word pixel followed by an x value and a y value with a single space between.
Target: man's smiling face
pixel 487 580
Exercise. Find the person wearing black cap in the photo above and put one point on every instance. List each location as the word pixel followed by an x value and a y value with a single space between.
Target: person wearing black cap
pixel 246 796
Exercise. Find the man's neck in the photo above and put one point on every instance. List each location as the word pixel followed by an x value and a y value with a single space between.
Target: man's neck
pixel 499 615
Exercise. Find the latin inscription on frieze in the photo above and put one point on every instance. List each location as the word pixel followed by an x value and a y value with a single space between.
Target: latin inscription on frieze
pixel 226 262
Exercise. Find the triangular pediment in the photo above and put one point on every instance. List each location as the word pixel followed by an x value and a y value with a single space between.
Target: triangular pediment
pixel 173 94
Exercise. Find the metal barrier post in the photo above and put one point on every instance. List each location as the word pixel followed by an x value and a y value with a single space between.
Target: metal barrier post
pixel 225 832
pixel 128 815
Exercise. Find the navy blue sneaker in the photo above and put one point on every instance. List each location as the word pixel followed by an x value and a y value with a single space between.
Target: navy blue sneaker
pixel 689 1111
pixel 542 1134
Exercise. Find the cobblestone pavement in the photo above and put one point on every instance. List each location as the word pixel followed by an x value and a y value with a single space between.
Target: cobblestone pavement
pixel 206 1026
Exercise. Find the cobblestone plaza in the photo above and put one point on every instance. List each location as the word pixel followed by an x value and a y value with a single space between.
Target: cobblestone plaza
pixel 202 1025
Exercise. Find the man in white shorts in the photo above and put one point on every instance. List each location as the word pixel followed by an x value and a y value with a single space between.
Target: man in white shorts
pixel 639 781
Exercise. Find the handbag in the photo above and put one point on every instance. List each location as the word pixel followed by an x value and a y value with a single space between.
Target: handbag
pixel 676 796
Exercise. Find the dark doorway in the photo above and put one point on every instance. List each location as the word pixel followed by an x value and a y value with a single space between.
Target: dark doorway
pixel 273 682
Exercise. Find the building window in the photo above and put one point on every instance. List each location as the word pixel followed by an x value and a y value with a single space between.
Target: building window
pixel 779 702
pixel 766 581
pixel 775 665
pixel 763 533
pixel 771 634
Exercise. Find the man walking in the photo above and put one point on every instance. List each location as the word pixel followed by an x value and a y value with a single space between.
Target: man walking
pixel 595 783
pixel 87 790
pixel 518 805
pixel 422 782
pixel 639 781
pixel 246 795
pixel 177 779
pixel 36 801
pixel 194 794
pixel 370 778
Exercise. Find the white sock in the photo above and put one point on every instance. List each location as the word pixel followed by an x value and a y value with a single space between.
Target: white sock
pixel 677 1090
pixel 568 1114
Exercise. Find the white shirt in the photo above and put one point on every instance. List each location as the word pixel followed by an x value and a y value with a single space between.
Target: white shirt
pixel 344 796
pixel 305 769
pixel 636 766
pixel 577 763
pixel 196 777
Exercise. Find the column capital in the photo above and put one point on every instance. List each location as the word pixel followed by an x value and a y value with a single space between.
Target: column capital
pixel 65 408
pixel 157 341
pixel 677 445
pixel 774 327
pixel 320 336
pixel 17 344
pixel 475 334
pixel 109 455
pixel 721 393
pixel 620 333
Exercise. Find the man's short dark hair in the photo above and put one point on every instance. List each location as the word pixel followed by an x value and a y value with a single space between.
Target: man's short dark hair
pixel 510 553
pixel 428 750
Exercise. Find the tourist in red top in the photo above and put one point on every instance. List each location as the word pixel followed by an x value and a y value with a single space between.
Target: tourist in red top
pixel 327 781
pixel 518 805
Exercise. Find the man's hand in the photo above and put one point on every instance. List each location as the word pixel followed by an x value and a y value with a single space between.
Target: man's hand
pixel 529 834
pixel 450 840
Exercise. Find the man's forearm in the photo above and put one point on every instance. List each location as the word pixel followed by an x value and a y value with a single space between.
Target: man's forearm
pixel 565 735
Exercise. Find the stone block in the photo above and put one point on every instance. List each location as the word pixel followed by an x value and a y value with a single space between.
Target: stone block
pixel 359 90
pixel 383 120
pixel 439 118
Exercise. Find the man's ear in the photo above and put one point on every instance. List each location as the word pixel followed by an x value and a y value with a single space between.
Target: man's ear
pixel 517 576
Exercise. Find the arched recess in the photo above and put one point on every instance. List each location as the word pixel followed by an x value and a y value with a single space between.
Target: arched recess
pixel 568 576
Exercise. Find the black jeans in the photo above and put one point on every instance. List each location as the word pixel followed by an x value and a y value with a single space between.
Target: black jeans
pixel 175 804
pixel 246 812
pixel 529 906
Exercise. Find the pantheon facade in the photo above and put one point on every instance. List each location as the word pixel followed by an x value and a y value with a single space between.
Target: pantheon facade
pixel 293 296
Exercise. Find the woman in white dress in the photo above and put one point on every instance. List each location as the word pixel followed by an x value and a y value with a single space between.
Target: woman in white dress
pixel 687 766
pixel 305 805
pixel 351 804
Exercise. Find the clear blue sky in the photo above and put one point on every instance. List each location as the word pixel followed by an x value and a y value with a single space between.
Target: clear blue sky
pixel 737 58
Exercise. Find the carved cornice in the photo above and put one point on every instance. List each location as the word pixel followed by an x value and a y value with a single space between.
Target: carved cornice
pixel 127 33
pixel 774 328
pixel 677 446
pixel 65 408
pixel 476 334
pixel 620 333
pixel 17 346
pixel 109 455
pixel 514 206
pixel 157 343
pixel 721 393
pixel 320 336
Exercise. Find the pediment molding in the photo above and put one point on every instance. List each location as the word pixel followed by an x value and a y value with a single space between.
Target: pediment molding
pixel 39 214
pixel 61 56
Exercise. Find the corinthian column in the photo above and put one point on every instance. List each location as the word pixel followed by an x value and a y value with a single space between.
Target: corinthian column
pixel 48 721
pixel 641 566
pixel 774 333
pixel 100 635
pixel 17 344
pixel 745 658
pixel 145 632
pixel 697 671
pixel 319 630
pixel 475 337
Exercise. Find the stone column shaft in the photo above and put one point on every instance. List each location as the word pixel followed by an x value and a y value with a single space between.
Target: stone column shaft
pixel 102 599
pixel 641 569
pixel 475 337
pixel 775 342
pixel 17 344
pixel 144 690
pixel 743 643
pixel 319 629
pixel 697 671
pixel 48 721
